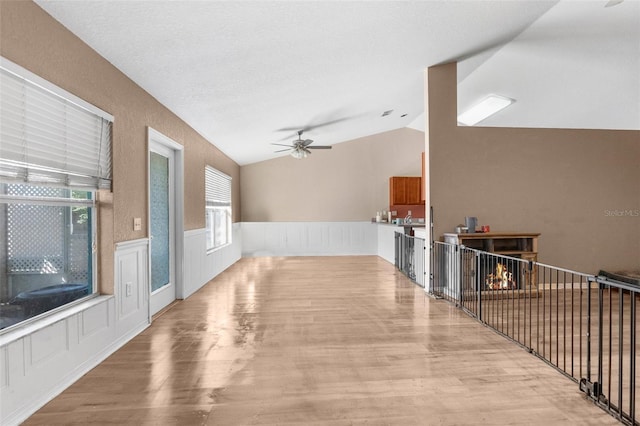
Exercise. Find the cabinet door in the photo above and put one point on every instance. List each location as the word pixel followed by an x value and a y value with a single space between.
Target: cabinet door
pixel 397 190
pixel 423 181
pixel 412 190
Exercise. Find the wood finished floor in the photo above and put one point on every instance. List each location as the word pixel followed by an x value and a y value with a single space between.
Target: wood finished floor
pixel 319 341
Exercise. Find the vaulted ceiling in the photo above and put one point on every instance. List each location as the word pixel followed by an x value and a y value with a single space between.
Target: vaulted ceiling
pixel 247 74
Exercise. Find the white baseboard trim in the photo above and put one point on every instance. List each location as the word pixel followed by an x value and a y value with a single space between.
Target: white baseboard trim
pixel 27 410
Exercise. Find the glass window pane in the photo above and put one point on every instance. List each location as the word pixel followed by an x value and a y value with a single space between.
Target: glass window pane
pixel 46 257
pixel 159 188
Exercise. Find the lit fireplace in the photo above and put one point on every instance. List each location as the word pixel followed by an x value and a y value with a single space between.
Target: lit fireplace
pixel 500 279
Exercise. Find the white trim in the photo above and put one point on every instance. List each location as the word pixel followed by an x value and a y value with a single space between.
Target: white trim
pixel 157 138
pixel 48 201
pixel 20 332
pixel 16 69
pixel 194 232
pixel 123 245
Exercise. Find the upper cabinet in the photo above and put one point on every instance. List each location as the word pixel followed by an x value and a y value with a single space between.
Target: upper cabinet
pixel 405 190
pixel 423 182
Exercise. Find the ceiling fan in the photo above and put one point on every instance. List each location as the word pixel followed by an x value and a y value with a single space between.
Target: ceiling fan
pixel 301 148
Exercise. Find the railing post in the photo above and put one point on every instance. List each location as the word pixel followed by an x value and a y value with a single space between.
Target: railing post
pixel 456 270
pixel 592 389
pixel 432 262
pixel 478 284
pixel 598 383
pixel 632 358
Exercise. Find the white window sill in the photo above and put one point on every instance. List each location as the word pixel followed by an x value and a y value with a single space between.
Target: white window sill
pixel 213 250
pixel 39 324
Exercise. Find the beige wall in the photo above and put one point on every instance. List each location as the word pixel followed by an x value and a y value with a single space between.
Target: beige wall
pixel 558 182
pixel 34 40
pixel 348 183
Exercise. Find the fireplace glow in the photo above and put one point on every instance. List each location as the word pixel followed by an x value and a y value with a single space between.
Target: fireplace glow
pixel 500 279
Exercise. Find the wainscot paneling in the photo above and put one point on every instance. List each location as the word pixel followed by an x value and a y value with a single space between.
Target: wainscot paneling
pixel 46 343
pixel 386 241
pixel 199 266
pixel 308 238
pixel 41 359
pixel 131 263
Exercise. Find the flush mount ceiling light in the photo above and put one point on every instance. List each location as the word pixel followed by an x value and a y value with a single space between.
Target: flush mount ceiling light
pixel 484 109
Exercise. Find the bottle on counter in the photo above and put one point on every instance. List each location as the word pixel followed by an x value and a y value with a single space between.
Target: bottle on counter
pixel 378 218
pixel 390 219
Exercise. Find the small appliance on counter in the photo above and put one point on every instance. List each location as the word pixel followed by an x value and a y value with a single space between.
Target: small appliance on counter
pixel 471 222
pixel 461 229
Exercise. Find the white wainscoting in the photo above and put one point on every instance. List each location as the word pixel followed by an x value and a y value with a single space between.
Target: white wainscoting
pixel 40 360
pixel 199 266
pixel 308 238
pixel 386 241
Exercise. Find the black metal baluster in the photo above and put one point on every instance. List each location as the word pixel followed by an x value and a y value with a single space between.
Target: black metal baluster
pixel 620 347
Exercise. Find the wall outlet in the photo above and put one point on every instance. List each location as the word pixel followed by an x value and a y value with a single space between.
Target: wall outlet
pixel 394 213
pixel 137 223
pixel 127 289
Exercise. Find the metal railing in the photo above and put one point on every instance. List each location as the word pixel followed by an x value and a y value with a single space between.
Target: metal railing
pixel 410 257
pixel 612 337
pixel 583 326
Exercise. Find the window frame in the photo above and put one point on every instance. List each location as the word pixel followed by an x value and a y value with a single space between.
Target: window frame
pixel 68 203
pixel 217 201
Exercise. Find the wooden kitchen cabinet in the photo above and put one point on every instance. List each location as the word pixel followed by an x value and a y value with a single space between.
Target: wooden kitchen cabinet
pixel 423 182
pixel 404 190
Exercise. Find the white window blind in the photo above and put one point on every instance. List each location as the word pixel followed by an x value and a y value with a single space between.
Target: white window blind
pixel 217 188
pixel 48 136
pixel 218 208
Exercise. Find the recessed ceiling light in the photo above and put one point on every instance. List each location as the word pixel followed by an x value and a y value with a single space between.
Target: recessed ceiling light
pixel 484 109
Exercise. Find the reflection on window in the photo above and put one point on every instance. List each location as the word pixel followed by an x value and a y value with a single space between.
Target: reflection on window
pixel 218 226
pixel 218 208
pixel 46 256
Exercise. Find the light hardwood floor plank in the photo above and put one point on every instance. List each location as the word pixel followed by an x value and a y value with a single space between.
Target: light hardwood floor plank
pixel 319 341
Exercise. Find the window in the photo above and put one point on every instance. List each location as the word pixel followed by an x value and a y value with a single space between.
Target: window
pixel 47 260
pixel 55 153
pixel 218 208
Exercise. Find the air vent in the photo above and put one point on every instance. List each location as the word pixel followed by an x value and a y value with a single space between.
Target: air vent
pixel 384 114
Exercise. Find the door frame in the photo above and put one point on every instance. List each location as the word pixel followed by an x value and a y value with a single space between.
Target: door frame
pixel 155 138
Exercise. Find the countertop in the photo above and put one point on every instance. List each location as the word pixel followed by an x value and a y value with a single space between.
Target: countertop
pixel 403 225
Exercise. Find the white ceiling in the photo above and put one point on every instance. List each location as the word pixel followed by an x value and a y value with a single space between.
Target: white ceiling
pixel 241 72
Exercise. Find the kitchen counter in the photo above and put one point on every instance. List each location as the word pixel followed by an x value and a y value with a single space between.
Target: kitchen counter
pixel 412 224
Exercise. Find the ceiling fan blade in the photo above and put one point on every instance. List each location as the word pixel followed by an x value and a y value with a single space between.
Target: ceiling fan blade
pixel 282 150
pixel 319 147
pixel 281 144
pixel 312 126
pixel 306 142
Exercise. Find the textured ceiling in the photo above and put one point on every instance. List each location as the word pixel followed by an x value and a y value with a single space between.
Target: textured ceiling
pixel 245 74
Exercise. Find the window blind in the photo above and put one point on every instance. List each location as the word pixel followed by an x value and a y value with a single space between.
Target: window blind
pixel 49 138
pixel 217 187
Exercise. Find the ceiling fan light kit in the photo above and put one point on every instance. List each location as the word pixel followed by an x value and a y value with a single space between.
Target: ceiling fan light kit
pixel 300 148
pixel 299 154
